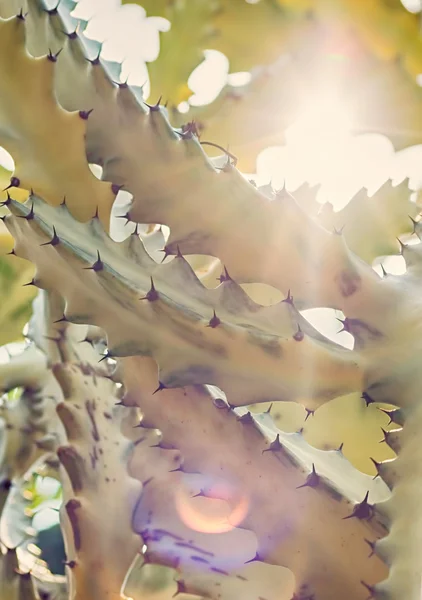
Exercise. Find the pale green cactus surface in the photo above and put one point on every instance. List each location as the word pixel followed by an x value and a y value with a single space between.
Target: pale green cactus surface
pixel 206 440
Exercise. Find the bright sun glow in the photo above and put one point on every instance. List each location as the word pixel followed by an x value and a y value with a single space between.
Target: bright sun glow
pixel 325 118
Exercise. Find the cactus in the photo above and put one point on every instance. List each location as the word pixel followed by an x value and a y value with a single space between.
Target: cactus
pixel 205 435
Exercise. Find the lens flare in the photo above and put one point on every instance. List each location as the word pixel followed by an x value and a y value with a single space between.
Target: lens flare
pixel 218 508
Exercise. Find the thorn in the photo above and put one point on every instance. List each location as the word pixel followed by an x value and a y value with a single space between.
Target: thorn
pixel 181 588
pixel 392 414
pixel 289 298
pixel 275 445
pixel 53 11
pixel 106 355
pixel 53 57
pixel 8 199
pixel 214 321
pixel 11 253
pixel 376 464
pixel 54 240
pixel 384 272
pixel 309 412
pixel 63 202
pixel 370 589
pixel 312 479
pixel 178 253
pixel 414 223
pixel 188 131
pixel 200 494
pixel 30 215
pixel 154 107
pixel 21 15
pixel 246 419
pixel 14 182
pixel 268 411
pixel 255 558
pixel 115 188
pixel 161 386
pixel 62 320
pixel 84 114
pixel 372 547
pixel 97 266
pixel 166 254
pixel 125 216
pixel 386 438
pixel 362 511
pixel 224 276
pixel 95 61
pixel 367 398
pixel 402 246
pixel 299 335
pixel 339 231
pixel 340 448
pixel 345 323
pixel 72 35
pixel 32 282
pixel 152 295
pixel 230 157
pixel 70 563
